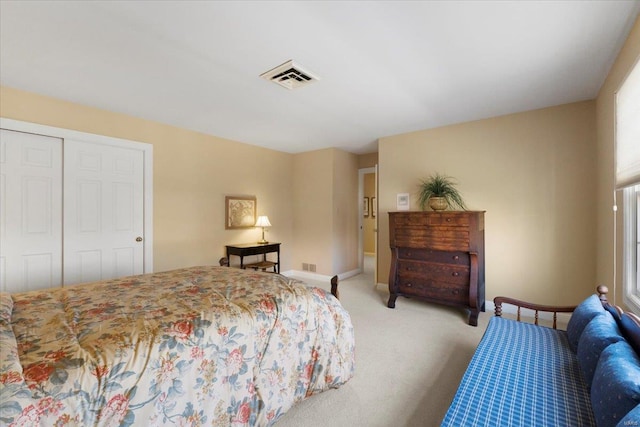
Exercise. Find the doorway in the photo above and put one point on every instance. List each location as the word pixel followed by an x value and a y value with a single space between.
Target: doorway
pixel 368 224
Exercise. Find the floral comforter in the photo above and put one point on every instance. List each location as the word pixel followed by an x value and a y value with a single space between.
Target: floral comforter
pixel 196 346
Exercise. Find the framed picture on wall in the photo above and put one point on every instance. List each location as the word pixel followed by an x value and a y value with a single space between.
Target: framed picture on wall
pixel 240 212
pixel 374 210
pixel 365 207
pixel 402 201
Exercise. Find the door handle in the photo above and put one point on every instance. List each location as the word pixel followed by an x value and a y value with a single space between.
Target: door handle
pixel 138 239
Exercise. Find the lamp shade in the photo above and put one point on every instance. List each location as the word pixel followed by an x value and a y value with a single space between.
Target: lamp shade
pixel 263 221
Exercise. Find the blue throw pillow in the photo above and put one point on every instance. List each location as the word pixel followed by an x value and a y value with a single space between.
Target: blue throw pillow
pixel 581 316
pixel 616 384
pixel 631 419
pixel 614 312
pixel 601 331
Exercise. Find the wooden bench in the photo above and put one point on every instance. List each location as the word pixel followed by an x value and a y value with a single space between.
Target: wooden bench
pixel 526 374
pixel 262 265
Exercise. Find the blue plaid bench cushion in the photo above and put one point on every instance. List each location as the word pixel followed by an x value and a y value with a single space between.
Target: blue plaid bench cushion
pixel 521 375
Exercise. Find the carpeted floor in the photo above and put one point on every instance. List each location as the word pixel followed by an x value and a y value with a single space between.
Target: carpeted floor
pixel 409 361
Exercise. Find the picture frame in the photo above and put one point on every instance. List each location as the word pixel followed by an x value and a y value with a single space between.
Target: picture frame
pixel 365 207
pixel 403 201
pixel 374 210
pixel 240 212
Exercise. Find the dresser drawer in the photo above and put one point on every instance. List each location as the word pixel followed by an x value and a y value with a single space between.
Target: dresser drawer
pixel 438 238
pixel 443 257
pixel 421 219
pixel 447 218
pixel 449 294
pixel 433 273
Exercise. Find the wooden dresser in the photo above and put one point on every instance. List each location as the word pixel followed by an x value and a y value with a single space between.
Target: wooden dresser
pixel 438 257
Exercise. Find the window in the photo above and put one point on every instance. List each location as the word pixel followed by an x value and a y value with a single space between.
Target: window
pixel 631 257
pixel 627 158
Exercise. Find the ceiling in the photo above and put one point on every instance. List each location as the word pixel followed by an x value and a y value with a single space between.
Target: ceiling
pixel 385 67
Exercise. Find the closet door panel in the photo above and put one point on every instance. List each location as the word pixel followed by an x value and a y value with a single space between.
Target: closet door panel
pixel 104 215
pixel 30 211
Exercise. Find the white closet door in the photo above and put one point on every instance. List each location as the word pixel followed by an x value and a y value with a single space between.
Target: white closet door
pixel 30 211
pixel 103 212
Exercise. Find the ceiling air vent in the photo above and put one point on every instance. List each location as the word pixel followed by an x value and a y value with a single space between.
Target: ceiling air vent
pixel 290 75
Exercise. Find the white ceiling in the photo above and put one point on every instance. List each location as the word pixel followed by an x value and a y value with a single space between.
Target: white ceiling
pixel 386 67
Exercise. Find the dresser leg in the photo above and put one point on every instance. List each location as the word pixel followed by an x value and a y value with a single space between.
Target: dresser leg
pixel 392 301
pixel 473 317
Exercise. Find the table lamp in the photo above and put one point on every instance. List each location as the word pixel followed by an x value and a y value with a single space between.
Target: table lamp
pixel 263 221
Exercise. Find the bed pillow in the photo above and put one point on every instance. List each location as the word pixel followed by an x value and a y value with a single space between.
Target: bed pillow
pixel 581 317
pixel 615 390
pixel 601 332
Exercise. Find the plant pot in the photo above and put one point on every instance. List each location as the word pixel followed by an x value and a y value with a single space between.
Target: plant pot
pixel 438 203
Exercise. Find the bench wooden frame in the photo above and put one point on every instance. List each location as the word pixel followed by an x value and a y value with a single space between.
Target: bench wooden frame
pixel 498 301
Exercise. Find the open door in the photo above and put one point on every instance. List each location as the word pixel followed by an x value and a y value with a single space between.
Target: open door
pixel 368 223
pixel 374 207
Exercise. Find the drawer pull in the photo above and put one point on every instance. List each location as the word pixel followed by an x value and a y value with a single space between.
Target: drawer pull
pixel 409 285
pixel 448 219
pixel 456 257
pixel 455 274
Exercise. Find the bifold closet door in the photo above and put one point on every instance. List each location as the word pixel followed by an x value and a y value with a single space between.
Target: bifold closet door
pixel 103 212
pixel 30 211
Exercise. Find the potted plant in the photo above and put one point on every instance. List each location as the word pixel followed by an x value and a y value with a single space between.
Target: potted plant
pixel 439 192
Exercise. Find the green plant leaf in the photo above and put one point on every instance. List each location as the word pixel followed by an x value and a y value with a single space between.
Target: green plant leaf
pixel 439 185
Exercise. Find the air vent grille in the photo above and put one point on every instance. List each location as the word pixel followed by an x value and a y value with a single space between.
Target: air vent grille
pixel 290 75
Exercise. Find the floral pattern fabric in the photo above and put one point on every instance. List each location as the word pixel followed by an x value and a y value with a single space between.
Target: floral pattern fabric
pixel 198 346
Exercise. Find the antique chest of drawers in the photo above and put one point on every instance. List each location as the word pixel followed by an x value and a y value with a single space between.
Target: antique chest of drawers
pixel 438 257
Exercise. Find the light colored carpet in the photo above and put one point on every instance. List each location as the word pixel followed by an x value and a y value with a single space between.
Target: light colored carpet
pixel 409 361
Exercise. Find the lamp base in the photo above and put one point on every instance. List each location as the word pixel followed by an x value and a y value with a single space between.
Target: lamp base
pixel 262 242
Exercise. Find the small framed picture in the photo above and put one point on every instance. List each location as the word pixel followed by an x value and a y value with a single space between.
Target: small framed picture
pixel 374 210
pixel 402 201
pixel 365 207
pixel 240 212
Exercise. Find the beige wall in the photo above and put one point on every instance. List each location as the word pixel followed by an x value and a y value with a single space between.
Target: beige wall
pixel 192 174
pixel 344 250
pixel 533 173
pixel 313 210
pixel 367 160
pixel 605 169
pixel 325 189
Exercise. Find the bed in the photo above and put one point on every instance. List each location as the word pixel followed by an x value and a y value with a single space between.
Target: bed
pixel 195 346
